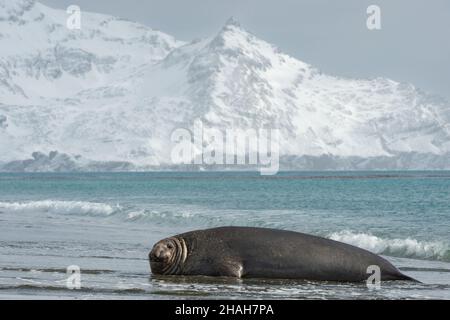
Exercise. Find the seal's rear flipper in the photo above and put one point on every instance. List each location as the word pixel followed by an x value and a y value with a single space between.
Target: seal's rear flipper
pixel 408 278
pixel 402 276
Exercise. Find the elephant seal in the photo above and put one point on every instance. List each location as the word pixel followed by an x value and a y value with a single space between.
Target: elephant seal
pixel 265 253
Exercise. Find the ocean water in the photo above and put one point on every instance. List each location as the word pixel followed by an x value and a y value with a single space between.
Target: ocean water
pixel 106 223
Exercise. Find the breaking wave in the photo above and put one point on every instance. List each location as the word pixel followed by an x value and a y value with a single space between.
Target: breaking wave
pixel 61 207
pixel 408 248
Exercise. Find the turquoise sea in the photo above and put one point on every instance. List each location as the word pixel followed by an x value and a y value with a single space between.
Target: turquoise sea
pixel 106 223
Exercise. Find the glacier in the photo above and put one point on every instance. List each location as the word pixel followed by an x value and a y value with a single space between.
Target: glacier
pixel 108 96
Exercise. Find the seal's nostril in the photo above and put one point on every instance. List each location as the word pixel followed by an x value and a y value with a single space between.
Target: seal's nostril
pixel 157 255
pixel 153 255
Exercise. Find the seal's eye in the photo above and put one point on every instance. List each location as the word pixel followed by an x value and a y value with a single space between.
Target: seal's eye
pixel 170 246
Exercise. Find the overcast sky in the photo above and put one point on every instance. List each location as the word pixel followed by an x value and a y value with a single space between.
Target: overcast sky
pixel 412 46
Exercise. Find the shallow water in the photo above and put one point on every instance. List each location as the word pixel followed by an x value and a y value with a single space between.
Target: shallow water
pixel 106 223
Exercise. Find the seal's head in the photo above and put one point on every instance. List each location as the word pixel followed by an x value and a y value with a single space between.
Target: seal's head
pixel 168 256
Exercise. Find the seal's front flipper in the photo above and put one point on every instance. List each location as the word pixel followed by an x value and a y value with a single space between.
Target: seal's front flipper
pixel 230 268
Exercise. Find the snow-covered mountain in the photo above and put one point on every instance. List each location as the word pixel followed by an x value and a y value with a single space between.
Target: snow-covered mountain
pixel 108 96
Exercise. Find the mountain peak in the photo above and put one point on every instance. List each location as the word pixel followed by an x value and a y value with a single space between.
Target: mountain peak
pixel 232 22
pixel 232 25
pixel 231 30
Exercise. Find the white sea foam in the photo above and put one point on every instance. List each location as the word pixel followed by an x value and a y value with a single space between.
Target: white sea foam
pixel 144 214
pixel 408 247
pixel 60 207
